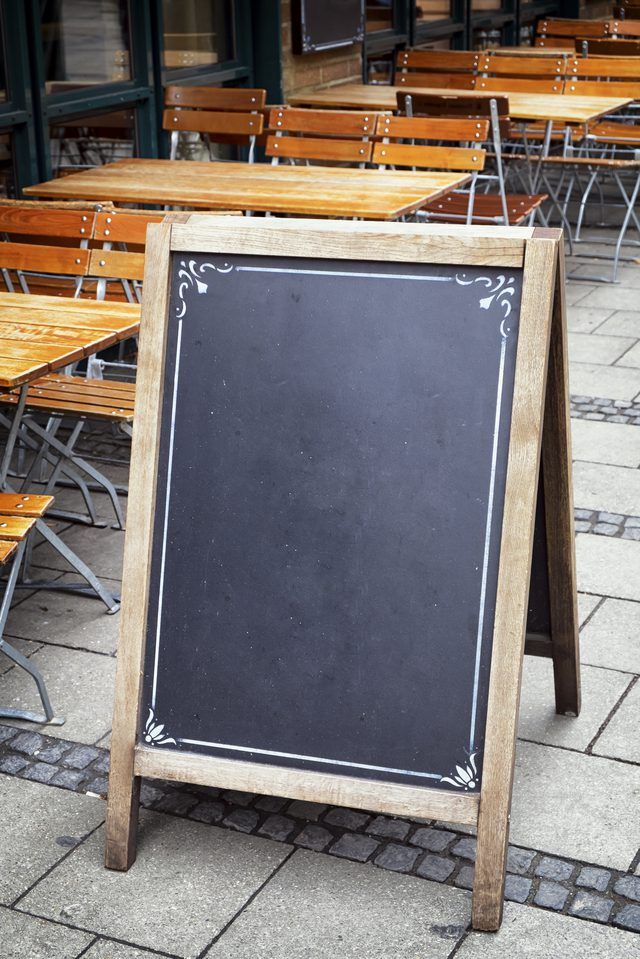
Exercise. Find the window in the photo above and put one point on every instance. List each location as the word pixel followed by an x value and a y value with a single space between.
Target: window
pixel 197 33
pixel 80 142
pixel 84 43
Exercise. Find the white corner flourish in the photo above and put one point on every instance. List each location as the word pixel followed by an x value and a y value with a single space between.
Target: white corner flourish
pixel 465 777
pixel 154 734
pixel 501 289
pixel 191 276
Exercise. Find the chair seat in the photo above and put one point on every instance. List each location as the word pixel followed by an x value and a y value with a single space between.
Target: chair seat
pixel 76 396
pixel 604 163
pixel 486 206
pixel 614 132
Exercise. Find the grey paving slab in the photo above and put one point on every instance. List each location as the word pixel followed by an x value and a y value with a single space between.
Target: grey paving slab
pixel 630 358
pixel 584 348
pixel 601 690
pixel 621 737
pixel 576 292
pixel 586 605
pixel 582 320
pixel 23 937
pixel 622 323
pixel 614 443
pixel 528 933
pixel 611 297
pixel 611 638
pixel 101 549
pixel 321 907
pixel 33 818
pixel 614 382
pixel 575 806
pixel 67 619
pixel 615 489
pixel 80 687
pixel 608 567
pixel 188 881
pixel 24 646
pixel 103 949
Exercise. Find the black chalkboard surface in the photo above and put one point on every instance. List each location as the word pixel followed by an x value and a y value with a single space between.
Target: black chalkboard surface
pixel 326 597
pixel 336 454
pixel 325 24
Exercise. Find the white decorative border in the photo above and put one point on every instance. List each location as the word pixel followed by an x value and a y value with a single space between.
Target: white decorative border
pixel 500 291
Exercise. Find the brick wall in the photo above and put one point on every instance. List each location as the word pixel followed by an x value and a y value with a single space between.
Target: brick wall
pixel 315 69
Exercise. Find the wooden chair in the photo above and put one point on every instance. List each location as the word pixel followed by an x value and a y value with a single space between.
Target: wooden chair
pixel 19 514
pixel 469 207
pixel 451 69
pixel 328 136
pixel 521 73
pixel 221 114
pixel 562 33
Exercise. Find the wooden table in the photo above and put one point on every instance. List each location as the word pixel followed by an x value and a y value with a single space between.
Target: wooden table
pixel 554 107
pixel 310 191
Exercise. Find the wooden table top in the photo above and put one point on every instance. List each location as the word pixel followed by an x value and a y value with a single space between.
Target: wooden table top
pixel 41 334
pixel 306 190
pixel 558 107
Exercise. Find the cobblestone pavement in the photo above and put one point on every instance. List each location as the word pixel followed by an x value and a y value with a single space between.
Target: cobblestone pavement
pixel 233 875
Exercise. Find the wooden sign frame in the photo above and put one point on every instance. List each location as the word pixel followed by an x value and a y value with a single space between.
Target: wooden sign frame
pixel 540 392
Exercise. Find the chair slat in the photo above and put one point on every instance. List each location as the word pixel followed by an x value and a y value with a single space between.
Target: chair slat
pixel 437 60
pixel 44 259
pixel 518 85
pixel 314 148
pixel 38 220
pixel 448 81
pixel 522 66
pixel 345 123
pixel 602 88
pixel 445 128
pixel 215 98
pixel 434 157
pixel 116 264
pixel 559 27
pixel 204 121
pixel 24 504
pixel 605 68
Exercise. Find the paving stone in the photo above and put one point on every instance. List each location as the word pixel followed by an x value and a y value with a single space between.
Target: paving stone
pixel 554 868
pixel 150 794
pixel 465 848
pixel 208 812
pixel 178 803
pixel 517 888
pixel 464 879
pixel 608 567
pixel 586 605
pixel 539 722
pixel 613 490
pixel 353 845
pixel 576 292
pixel 68 778
pixel 237 798
pixel 7 732
pixel 628 918
pixel 270 803
pixel 33 817
pixel 102 763
pixel 582 513
pixel 582 320
pixel 435 840
pixel 101 549
pixel 586 905
pixel 615 382
pixel 104 949
pixel 346 818
pixel 324 908
pixel 97 787
pixel 24 646
pixel 65 619
pixel 584 348
pixel 622 323
pixel 12 764
pixel 435 867
pixel 628 886
pixel 52 752
pixel 551 895
pixel 187 883
pixel 244 820
pixel 314 837
pixel 605 529
pixel 80 756
pixel 582 526
pixel 396 857
pixel 28 743
pixel 306 810
pixel 39 772
pixel 528 933
pixel 610 297
pixel 279 828
pixel 80 686
pixel 389 828
pixel 611 638
pixel 574 806
pixel 593 878
pixel 519 860
pixel 620 737
pixel 23 937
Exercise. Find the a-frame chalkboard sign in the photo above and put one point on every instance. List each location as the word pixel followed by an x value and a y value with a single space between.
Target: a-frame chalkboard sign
pixel 337 445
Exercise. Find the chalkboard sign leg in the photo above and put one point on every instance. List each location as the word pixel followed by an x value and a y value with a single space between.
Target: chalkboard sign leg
pixel 122 821
pixel 558 498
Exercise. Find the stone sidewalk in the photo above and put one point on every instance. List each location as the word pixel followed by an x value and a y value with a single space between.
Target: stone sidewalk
pixel 227 874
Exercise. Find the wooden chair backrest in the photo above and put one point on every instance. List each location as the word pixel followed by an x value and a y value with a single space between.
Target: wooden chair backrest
pixel 315 148
pixel 605 68
pixel 218 99
pixel 342 123
pixel 41 258
pixel 448 81
pixel 429 157
pixel 39 221
pixel 457 105
pixel 115 264
pixel 501 65
pixel 623 28
pixel 453 129
pixel 124 226
pixel 518 85
pixel 558 27
pixel 611 48
pixel 603 88
pixel 325 135
pixel 206 121
pixel 437 61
